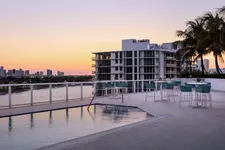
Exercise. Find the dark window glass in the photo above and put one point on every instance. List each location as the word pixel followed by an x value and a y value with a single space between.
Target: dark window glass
pixel 116 61
pixel 135 61
pixel 116 55
pixel 116 68
pixel 121 68
pixel 121 75
pixel 121 61
pixel 116 76
pixel 121 54
pixel 135 53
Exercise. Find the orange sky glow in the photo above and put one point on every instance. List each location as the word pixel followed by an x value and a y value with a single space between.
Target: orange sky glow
pixel 40 35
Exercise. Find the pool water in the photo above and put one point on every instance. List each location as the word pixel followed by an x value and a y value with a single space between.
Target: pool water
pixel 37 130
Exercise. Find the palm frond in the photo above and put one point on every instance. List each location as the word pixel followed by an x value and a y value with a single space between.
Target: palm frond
pixel 221 10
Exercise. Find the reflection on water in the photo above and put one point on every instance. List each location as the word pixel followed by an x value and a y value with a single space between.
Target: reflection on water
pixel 41 129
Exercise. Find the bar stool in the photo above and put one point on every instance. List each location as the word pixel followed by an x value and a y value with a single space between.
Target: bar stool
pixel 123 86
pixel 176 86
pixel 107 86
pixel 203 91
pixel 149 87
pixel 169 87
pixel 186 92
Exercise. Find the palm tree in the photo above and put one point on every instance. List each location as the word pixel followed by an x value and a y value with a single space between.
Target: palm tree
pixel 215 27
pixel 186 50
pixel 194 41
pixel 221 10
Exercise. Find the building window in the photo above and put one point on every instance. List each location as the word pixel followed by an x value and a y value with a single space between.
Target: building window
pixel 121 55
pixel 116 55
pixel 116 68
pixel 135 61
pixel 135 53
pixel 121 75
pixel 129 54
pixel 116 61
pixel 121 68
pixel 116 76
pixel 121 61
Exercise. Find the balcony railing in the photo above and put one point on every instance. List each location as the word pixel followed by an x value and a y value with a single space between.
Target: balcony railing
pixel 171 72
pixel 156 55
pixel 57 92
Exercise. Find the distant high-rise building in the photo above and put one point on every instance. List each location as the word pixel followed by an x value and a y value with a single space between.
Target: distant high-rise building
pixel 2 72
pixel 59 73
pixel 41 73
pixel 205 62
pixel 19 73
pixel 27 73
pixel 49 72
pixel 11 72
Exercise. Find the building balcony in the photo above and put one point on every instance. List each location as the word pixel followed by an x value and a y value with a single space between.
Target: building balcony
pixel 170 58
pixel 171 65
pixel 171 72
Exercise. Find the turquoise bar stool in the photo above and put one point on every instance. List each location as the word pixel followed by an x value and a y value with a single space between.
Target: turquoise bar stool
pixel 190 85
pixel 208 83
pixel 186 94
pixel 176 86
pixel 107 86
pixel 150 87
pixel 169 88
pixel 204 95
pixel 123 86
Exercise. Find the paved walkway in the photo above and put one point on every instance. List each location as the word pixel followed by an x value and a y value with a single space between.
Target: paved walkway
pixel 176 127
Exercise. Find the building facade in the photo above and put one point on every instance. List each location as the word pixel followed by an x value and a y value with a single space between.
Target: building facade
pixel 138 60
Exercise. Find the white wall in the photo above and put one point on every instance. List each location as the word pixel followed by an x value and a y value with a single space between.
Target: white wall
pixel 217 84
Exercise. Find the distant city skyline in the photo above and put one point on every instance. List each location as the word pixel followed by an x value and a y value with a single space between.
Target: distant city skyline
pixel 61 35
pixel 19 72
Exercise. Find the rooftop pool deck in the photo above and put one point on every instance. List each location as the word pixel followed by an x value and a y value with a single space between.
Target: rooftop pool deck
pixel 174 127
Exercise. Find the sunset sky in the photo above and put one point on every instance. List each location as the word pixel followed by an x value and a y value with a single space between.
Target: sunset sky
pixel 62 34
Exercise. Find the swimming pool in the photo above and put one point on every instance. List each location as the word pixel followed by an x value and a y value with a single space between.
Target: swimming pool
pixel 37 130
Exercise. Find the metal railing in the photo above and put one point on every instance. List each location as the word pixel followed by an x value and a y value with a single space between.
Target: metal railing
pixel 83 90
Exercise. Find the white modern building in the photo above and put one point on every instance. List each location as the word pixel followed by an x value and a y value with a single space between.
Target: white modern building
pixel 138 60
pixel 205 62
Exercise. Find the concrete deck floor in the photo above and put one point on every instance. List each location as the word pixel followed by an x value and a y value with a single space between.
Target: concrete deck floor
pixel 175 127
